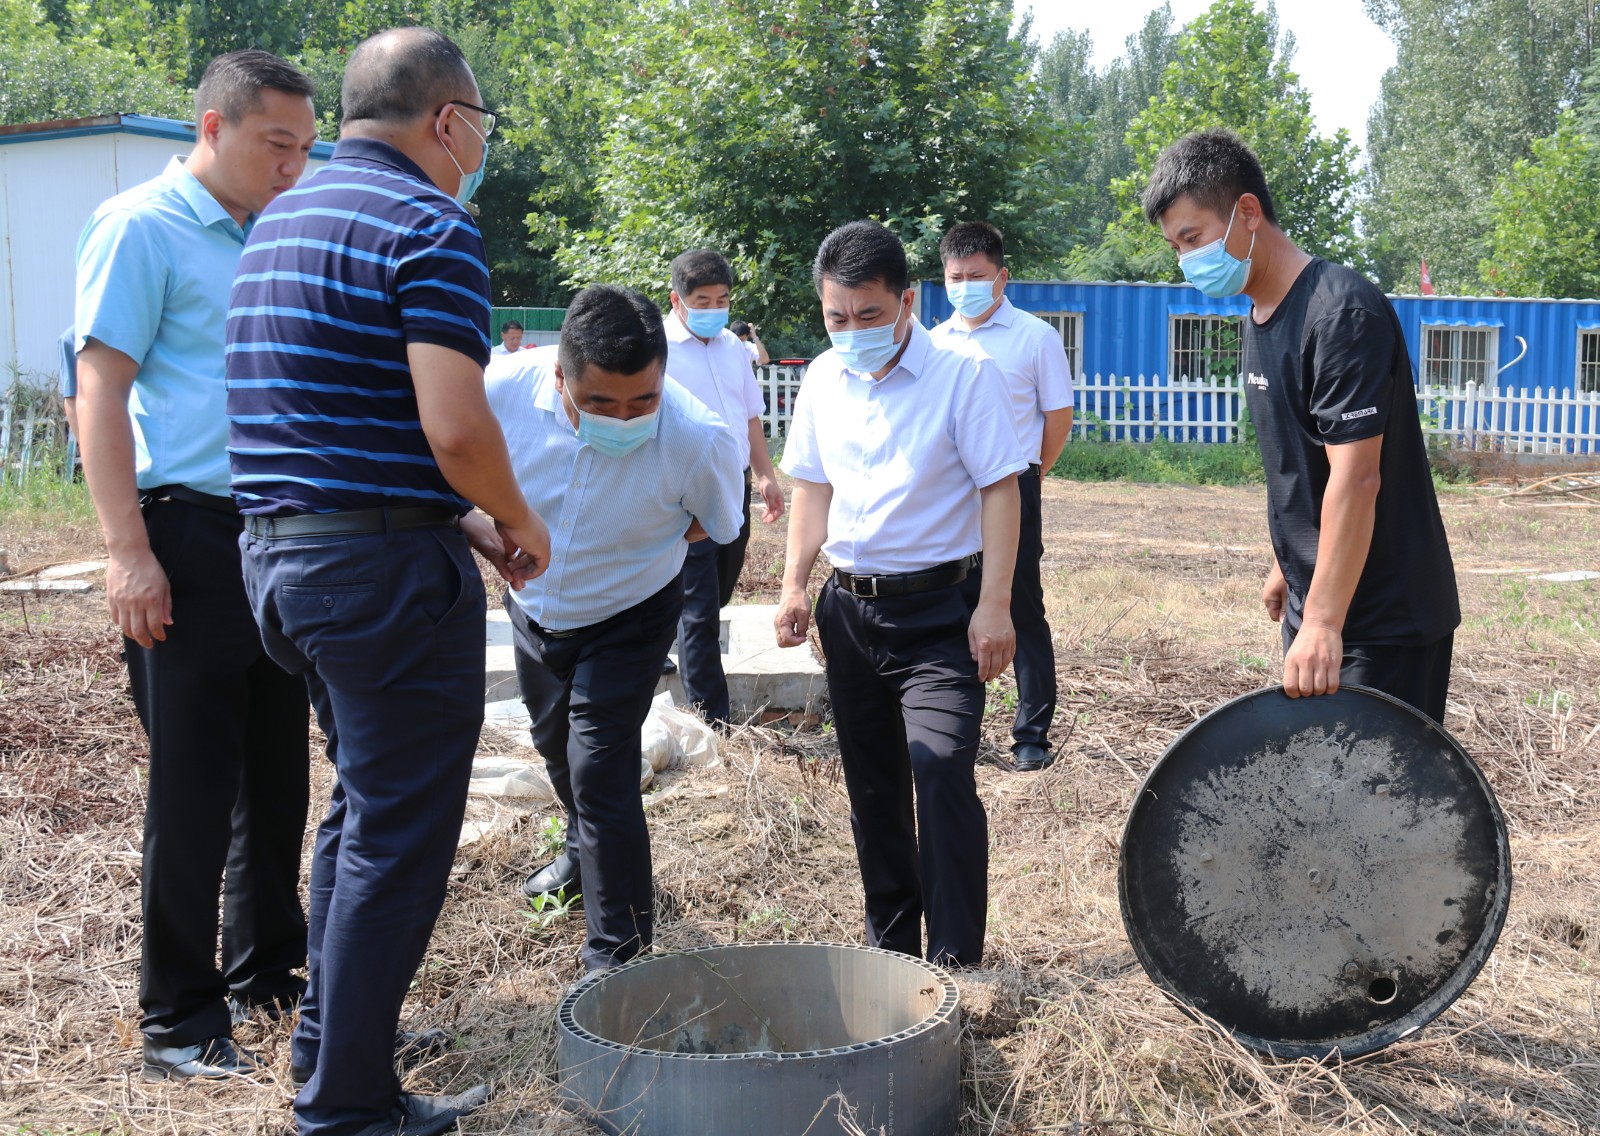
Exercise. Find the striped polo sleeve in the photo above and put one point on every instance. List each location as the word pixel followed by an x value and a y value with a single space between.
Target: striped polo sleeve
pixel 339 276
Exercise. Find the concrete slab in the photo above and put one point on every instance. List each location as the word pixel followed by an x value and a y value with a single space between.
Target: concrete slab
pixel 761 675
pixel 67 571
pixel 35 587
pixel 1574 577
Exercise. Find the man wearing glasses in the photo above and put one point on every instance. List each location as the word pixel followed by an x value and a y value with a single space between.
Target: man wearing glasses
pixel 361 438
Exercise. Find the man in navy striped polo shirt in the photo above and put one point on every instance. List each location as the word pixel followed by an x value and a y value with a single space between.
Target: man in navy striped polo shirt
pixel 361 438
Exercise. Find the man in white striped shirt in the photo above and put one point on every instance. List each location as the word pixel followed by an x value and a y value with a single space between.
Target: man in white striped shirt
pixel 627 469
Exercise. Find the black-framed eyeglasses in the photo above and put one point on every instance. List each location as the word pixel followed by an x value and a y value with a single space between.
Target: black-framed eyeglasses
pixel 490 118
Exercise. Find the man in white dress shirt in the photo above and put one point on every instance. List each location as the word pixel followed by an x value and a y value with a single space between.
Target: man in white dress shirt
pixel 906 467
pixel 1038 385
pixel 712 365
pixel 510 339
pixel 624 465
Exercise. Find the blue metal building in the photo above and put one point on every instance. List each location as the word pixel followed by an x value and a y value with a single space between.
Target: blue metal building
pixel 1129 330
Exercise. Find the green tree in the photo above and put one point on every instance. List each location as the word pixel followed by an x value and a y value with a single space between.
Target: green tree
pixel 756 127
pixel 1232 70
pixel 1474 85
pixel 46 74
pixel 1100 106
pixel 1545 217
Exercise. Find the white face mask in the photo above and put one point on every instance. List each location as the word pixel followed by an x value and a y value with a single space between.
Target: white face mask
pixel 868 349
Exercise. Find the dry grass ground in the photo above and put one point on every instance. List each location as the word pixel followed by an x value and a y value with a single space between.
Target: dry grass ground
pixel 1153 599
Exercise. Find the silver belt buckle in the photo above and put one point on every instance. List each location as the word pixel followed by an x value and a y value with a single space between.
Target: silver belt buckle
pixel 873 594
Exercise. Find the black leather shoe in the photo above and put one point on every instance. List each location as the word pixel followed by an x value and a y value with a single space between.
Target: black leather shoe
pixel 417 1115
pixel 1032 757
pixel 669 667
pixel 242 1010
pixel 557 874
pixel 411 1048
pixel 212 1059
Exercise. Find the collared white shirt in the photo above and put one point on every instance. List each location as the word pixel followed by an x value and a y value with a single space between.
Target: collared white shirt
pixel 1037 375
pixel 718 373
pixel 500 349
pixel 905 454
pixel 616 523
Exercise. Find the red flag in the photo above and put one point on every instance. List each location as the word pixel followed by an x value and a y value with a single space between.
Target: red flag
pixel 1427 281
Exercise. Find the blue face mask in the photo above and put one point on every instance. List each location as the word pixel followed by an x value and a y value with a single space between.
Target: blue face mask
pixel 867 350
pixel 612 436
pixel 1214 270
pixel 470 182
pixel 971 298
pixel 705 322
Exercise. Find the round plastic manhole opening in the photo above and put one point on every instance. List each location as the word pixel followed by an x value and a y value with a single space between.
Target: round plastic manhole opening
pixel 736 1039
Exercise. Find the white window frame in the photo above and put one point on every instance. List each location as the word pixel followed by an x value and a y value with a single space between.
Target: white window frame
pixel 1453 370
pixel 1587 376
pixel 1069 326
pixel 1209 326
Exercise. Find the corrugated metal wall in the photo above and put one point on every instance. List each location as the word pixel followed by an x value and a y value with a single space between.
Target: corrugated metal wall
pixel 1126 327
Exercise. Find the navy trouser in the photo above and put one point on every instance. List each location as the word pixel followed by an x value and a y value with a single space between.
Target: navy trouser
pixel 730 557
pixel 907 706
pixel 1419 676
pixel 705 683
pixel 389 630
pixel 588 692
pixel 1035 662
pixel 229 768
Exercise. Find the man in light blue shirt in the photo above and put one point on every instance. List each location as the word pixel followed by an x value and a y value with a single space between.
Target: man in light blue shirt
pixel 227 726
pixel 626 468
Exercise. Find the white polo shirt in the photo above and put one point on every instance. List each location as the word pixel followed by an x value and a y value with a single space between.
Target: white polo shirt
pixel 906 454
pixel 718 373
pixel 1038 377
pixel 616 524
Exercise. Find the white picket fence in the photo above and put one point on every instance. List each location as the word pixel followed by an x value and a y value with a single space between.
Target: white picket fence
pixel 1117 408
pixel 1513 420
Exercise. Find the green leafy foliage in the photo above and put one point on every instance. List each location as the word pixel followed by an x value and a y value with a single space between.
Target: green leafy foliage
pixel 49 73
pixel 754 128
pixel 1545 239
pixel 1475 84
pixel 1098 107
pixel 1232 70
pixel 1162 462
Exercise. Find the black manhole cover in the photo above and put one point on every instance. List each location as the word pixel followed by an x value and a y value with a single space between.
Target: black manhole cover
pixel 1315 874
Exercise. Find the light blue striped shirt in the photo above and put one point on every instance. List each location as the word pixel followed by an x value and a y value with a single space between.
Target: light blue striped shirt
pixel 616 524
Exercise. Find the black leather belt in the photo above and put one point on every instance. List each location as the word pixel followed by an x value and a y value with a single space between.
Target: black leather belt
pixel 189 497
pixel 908 583
pixel 352 522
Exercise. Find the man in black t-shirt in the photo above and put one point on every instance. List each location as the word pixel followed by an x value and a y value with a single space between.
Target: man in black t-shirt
pixel 1361 576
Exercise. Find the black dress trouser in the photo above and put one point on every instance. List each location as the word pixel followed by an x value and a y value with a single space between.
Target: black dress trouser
pixel 588 692
pixel 1035 662
pixel 228 790
pixel 1418 675
pixel 907 707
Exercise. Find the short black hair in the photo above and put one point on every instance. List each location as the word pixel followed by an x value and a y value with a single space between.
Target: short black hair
pixel 974 238
pixel 510 325
pixel 401 74
pixel 859 253
pixel 698 268
pixel 615 329
pixel 232 84
pixel 739 328
pixel 1215 168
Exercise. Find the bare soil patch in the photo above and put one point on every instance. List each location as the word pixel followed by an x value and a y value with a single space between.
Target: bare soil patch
pixel 1153 600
